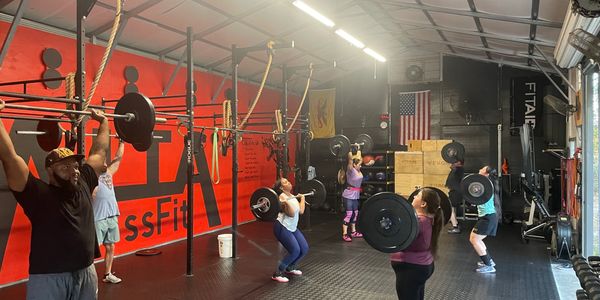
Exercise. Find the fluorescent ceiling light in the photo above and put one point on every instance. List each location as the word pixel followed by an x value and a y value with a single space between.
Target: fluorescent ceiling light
pixel 352 40
pixel 313 13
pixel 374 54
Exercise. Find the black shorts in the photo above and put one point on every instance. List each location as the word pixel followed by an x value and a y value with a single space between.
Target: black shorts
pixel 486 225
pixel 456 198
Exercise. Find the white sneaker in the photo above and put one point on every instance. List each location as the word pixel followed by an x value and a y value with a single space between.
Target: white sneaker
pixel 111 278
pixel 294 272
pixel 279 277
pixel 481 264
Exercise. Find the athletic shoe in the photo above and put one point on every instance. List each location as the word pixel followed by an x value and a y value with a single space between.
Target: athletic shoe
pixel 346 238
pixel 111 278
pixel 486 269
pixel 356 234
pixel 294 272
pixel 454 230
pixel 277 276
pixel 481 264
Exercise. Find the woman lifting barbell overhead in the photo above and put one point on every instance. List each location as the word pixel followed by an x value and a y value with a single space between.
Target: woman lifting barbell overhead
pixel 415 264
pixel 287 232
pixel 486 226
pixel 351 194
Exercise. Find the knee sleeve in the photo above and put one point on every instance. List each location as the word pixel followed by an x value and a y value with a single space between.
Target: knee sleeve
pixel 348 217
pixel 354 216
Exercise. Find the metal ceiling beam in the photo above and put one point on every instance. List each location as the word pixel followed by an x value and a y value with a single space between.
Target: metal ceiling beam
pixel 482 34
pixel 492 50
pixel 507 63
pixel 479 27
pixel 441 33
pixel 129 13
pixel 481 15
pixel 11 31
pixel 231 19
pixel 385 21
pixel 535 8
pixel 4 3
pixel 241 21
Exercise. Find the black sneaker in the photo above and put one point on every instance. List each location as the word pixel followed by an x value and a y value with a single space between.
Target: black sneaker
pixel 277 276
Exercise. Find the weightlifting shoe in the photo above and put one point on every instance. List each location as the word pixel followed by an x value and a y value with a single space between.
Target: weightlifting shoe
pixel 346 238
pixel 481 264
pixel 486 269
pixel 293 271
pixel 277 276
pixel 111 278
pixel 356 234
pixel 454 230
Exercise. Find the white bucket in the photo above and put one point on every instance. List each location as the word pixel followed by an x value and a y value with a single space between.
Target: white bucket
pixel 225 245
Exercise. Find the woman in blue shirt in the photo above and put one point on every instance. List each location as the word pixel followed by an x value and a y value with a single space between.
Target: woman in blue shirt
pixel 486 226
pixel 287 232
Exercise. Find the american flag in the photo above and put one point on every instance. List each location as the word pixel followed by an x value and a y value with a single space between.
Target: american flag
pixel 414 116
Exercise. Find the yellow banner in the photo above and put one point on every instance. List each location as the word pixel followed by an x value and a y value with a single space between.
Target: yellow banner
pixel 322 113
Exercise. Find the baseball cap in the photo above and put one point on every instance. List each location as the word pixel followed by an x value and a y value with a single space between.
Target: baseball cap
pixel 60 154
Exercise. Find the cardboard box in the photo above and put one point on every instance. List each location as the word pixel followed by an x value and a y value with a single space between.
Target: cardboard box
pixel 405 184
pixel 441 143
pixel 414 145
pixel 408 162
pixel 428 145
pixel 436 181
pixel 434 164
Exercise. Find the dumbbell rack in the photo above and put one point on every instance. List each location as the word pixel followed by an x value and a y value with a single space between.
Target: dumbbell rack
pixel 587 272
pixel 388 168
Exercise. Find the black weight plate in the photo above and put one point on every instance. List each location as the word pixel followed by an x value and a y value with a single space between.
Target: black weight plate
pixel 131 74
pixel 388 222
pixel 477 189
pixel 444 202
pixel 320 193
pixel 148 252
pixel 270 201
pixel 137 132
pixel 365 141
pixel 453 152
pixel 52 137
pixel 51 58
pixel 131 88
pixel 52 73
pixel 339 145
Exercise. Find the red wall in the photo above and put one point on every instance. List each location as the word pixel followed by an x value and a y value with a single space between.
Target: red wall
pixel 24 62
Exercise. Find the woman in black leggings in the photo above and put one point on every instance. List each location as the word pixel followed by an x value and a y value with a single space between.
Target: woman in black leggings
pixel 414 265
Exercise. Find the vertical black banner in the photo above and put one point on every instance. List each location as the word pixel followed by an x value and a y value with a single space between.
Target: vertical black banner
pixel 527 102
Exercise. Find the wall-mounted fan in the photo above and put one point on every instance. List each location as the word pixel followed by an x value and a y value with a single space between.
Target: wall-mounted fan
pixel 559 106
pixel 414 73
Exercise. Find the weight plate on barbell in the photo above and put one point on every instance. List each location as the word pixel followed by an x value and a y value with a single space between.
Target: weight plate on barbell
pixel 477 189
pixel 268 203
pixel 453 152
pixel 52 137
pixel 137 132
pixel 339 145
pixel 388 222
pixel 444 202
pixel 320 193
pixel 366 141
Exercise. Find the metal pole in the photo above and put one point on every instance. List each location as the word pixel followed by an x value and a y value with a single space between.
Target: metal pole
pixel 286 137
pixel 190 151
pixel 80 74
pixel 234 160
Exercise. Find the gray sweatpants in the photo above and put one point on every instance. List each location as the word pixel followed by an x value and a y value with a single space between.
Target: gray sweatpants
pixel 79 285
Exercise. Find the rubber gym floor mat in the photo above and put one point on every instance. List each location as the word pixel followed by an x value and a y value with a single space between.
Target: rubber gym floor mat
pixel 332 269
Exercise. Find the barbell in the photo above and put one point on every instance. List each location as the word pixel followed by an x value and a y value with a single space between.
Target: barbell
pixel 339 145
pixel 477 189
pixel 264 202
pixel 134 118
pixel 453 152
pixel 389 222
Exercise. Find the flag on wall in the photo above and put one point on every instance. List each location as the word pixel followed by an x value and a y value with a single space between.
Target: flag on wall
pixel 413 116
pixel 322 113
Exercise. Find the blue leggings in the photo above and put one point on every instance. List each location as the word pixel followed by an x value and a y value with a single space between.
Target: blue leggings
pixel 351 206
pixel 293 242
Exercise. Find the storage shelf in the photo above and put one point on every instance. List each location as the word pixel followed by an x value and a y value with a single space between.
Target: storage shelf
pixel 377 182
